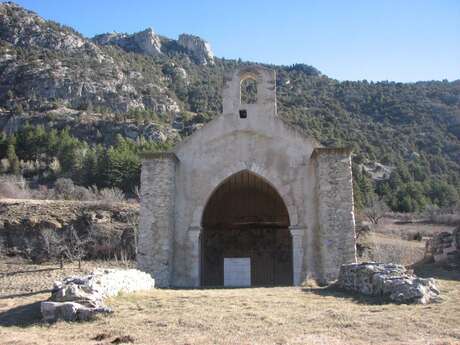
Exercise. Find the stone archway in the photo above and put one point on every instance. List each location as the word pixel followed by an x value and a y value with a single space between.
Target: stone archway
pixel 245 237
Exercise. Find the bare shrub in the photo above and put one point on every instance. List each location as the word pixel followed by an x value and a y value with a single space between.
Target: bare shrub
pixel 111 195
pixel 376 210
pixel 123 259
pixel 64 188
pixel 431 212
pixel 82 193
pixel 445 216
pixel 76 245
pixel 67 245
pixel 14 187
pixel 55 245
pixel 362 230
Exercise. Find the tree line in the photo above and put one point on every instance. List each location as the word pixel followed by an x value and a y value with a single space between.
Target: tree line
pixel 44 155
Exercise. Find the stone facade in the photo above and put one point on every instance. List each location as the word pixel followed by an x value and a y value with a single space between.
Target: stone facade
pixel 156 224
pixel 334 192
pixel 313 182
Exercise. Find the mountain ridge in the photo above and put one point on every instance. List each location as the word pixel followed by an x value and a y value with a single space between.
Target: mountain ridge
pixel 54 77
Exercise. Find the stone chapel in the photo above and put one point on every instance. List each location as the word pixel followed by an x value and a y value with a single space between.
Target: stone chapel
pixel 247 200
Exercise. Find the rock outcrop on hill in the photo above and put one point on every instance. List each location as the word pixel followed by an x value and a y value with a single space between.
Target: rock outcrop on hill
pixel 27 30
pixel 143 42
pixel 47 67
pixel 148 43
pixel 44 64
pixel 200 49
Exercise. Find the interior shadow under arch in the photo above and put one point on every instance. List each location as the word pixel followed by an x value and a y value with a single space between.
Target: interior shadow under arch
pixel 245 217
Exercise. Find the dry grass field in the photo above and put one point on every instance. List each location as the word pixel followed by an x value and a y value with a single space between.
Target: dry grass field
pixel 393 240
pixel 228 316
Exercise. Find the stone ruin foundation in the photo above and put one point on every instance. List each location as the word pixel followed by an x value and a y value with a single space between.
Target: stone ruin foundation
pixel 388 282
pixel 445 248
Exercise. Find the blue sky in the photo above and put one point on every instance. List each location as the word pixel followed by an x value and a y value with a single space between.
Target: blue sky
pixel 401 40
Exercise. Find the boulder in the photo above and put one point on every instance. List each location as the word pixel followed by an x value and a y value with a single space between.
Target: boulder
pixel 69 311
pixel 81 293
pixel 80 298
pixel 388 281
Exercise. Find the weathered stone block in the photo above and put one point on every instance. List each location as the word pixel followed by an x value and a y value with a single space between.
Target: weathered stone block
pixel 80 298
pixel 387 281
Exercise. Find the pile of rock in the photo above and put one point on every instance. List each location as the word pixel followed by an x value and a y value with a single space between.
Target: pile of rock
pixel 80 298
pixel 387 281
pixel 445 247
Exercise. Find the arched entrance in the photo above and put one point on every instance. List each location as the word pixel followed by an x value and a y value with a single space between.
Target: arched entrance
pixel 246 239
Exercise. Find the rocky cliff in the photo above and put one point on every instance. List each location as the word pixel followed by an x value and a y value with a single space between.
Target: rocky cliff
pixel 50 71
pixel 144 42
pixel 199 48
pixel 26 29
pixel 147 42
pixel 44 63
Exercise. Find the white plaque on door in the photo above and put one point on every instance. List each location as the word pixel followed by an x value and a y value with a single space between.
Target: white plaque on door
pixel 237 272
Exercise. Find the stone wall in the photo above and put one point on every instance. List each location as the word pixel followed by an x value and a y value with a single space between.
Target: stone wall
pixel 156 223
pixel 444 247
pixel 388 282
pixel 334 193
